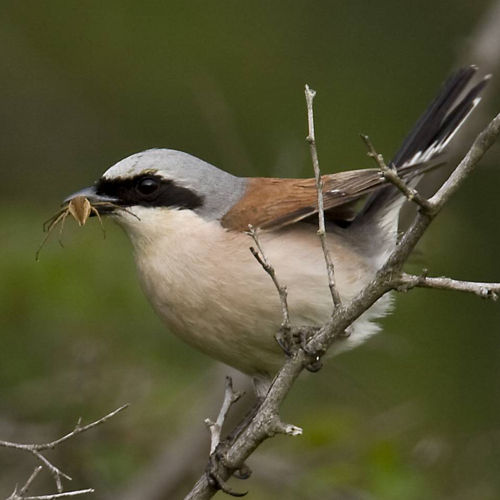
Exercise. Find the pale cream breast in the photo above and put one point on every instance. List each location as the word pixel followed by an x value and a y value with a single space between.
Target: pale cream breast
pixel 208 288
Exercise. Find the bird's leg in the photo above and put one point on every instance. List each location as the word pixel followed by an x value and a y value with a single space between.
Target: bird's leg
pixel 294 338
pixel 304 335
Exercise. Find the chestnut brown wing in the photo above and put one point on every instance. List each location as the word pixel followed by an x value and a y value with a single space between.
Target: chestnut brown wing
pixel 271 203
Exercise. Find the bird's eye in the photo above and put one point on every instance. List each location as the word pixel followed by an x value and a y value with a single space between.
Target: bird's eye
pixel 147 186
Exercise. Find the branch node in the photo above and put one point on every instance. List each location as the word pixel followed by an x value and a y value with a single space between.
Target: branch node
pixel 391 175
pixel 288 429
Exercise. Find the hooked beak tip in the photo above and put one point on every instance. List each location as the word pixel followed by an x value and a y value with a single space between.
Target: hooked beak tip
pixel 89 193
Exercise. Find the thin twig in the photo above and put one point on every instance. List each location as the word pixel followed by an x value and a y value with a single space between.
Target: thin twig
pixel 392 176
pixel 78 429
pixel 27 484
pixel 56 472
pixel 55 496
pixel 21 494
pixel 230 397
pixel 311 139
pixel 282 290
pixel 484 290
pixel 36 449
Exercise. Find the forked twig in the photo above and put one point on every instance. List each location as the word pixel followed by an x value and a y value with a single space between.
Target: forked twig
pixel 36 449
pixel 230 397
pixel 392 176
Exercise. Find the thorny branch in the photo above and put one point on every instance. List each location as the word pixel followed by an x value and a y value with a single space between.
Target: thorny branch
pixel 58 475
pixel 389 277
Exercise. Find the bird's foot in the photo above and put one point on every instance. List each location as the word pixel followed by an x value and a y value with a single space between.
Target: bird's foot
pixel 292 339
pixel 214 477
pixel 315 364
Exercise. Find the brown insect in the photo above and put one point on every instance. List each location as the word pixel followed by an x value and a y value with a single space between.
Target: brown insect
pixel 80 209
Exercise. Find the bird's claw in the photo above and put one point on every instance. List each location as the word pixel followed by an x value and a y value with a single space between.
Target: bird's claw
pixel 315 364
pixel 244 472
pixel 214 479
pixel 284 338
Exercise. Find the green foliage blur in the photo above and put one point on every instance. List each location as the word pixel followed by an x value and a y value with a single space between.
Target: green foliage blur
pixel 412 414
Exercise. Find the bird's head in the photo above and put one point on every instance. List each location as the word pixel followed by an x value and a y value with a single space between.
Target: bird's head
pixel 147 187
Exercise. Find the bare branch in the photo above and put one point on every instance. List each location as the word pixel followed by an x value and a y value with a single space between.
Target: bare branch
pixel 79 429
pixel 230 397
pixel 392 176
pixel 311 139
pixel 266 422
pixel 484 290
pixel 36 449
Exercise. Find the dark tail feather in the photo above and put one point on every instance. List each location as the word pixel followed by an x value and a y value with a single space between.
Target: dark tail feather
pixel 429 138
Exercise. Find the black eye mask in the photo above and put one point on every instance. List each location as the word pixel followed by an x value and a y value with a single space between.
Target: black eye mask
pixel 148 190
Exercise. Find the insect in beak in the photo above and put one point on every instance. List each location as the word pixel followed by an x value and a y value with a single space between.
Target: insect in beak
pixel 80 209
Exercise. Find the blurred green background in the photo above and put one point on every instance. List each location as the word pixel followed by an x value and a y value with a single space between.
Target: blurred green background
pixel 413 414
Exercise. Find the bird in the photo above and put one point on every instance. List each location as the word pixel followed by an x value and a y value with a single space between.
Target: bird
pixel 188 223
